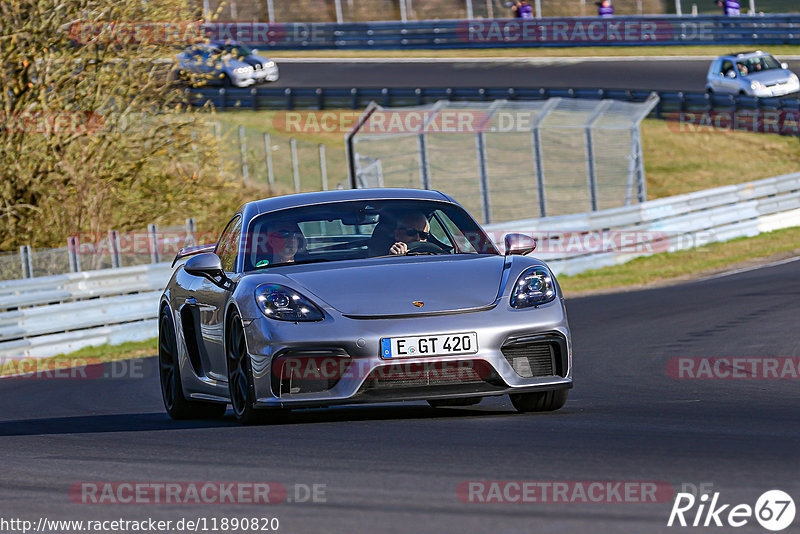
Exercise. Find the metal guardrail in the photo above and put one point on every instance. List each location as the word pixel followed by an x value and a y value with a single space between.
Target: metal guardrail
pixel 358 97
pixel 57 314
pixel 493 33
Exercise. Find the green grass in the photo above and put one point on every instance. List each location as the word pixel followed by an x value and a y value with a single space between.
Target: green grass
pixel 578 51
pixel 687 264
pixel 85 356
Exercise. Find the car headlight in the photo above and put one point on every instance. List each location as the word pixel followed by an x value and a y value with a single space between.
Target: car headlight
pixel 284 304
pixel 269 64
pixel 243 70
pixel 534 287
pixel 793 78
pixel 755 86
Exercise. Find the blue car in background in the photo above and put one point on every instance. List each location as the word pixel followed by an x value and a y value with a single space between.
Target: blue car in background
pixel 226 63
pixel 751 74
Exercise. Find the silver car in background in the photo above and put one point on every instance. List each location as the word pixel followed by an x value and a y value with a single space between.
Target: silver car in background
pixel 751 74
pixel 303 303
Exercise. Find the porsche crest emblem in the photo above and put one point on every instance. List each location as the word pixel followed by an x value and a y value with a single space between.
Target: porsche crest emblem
pixel 418 303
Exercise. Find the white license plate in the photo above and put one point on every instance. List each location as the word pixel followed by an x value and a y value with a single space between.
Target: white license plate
pixel 423 346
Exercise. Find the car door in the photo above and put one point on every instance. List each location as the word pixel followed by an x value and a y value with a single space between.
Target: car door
pixel 211 299
pixel 726 83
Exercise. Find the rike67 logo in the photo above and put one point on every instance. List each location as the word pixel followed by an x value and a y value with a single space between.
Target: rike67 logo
pixel 774 510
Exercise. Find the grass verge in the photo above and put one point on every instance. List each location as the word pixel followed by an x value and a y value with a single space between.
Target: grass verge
pixel 85 356
pixel 672 267
pixel 571 52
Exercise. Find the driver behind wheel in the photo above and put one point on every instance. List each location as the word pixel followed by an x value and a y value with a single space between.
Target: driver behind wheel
pixel 410 228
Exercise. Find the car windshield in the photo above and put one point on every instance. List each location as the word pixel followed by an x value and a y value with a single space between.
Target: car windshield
pixel 757 64
pixel 239 50
pixel 361 229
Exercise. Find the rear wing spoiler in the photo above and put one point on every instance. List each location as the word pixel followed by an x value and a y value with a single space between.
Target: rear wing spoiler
pixel 191 251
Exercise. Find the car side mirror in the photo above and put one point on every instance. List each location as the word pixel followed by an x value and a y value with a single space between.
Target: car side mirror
pixel 731 74
pixel 207 265
pixel 519 244
pixel 785 66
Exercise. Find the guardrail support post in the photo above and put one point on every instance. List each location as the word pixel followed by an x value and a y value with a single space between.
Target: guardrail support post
pixel 27 261
pixel 243 147
pixel 152 231
pixel 268 154
pixel 323 167
pixel 295 164
pixel 74 251
pixel 113 248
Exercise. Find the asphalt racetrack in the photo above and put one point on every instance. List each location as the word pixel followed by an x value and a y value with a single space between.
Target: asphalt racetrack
pixel 396 468
pixel 644 74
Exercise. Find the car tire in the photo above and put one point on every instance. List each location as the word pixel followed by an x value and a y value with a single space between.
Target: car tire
pixel 175 403
pixel 240 378
pixel 710 90
pixel 226 82
pixel 545 401
pixel 445 403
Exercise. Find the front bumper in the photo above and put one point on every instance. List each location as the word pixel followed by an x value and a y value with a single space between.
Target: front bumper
pixel 363 377
pixel 777 90
pixel 267 75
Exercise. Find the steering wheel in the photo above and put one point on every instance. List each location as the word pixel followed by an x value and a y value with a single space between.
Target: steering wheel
pixel 424 247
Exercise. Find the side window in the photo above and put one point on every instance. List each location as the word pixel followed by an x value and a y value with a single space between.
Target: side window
pixel 228 244
pixel 726 67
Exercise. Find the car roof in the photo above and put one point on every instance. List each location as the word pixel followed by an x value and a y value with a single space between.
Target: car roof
pixel 341 195
pixel 745 54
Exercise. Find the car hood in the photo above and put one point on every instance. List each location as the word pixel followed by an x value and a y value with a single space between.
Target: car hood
pixel 770 76
pixel 254 60
pixel 390 286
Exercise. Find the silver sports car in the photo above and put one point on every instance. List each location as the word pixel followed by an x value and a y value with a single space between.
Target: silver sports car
pixel 360 296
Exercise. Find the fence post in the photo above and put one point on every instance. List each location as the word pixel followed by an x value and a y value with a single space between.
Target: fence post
pixel 152 231
pixel 538 164
pixel 323 167
pixel 490 9
pixel 538 9
pixel 470 14
pixel 424 170
pixel 27 261
pixel 403 14
pixel 590 168
pixel 271 10
pixel 113 249
pixel 218 134
pixel 295 165
pixel 243 147
pixel 268 154
pixel 480 142
pixel 190 239
pixel 678 8
pixel 74 251
pixel 339 17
